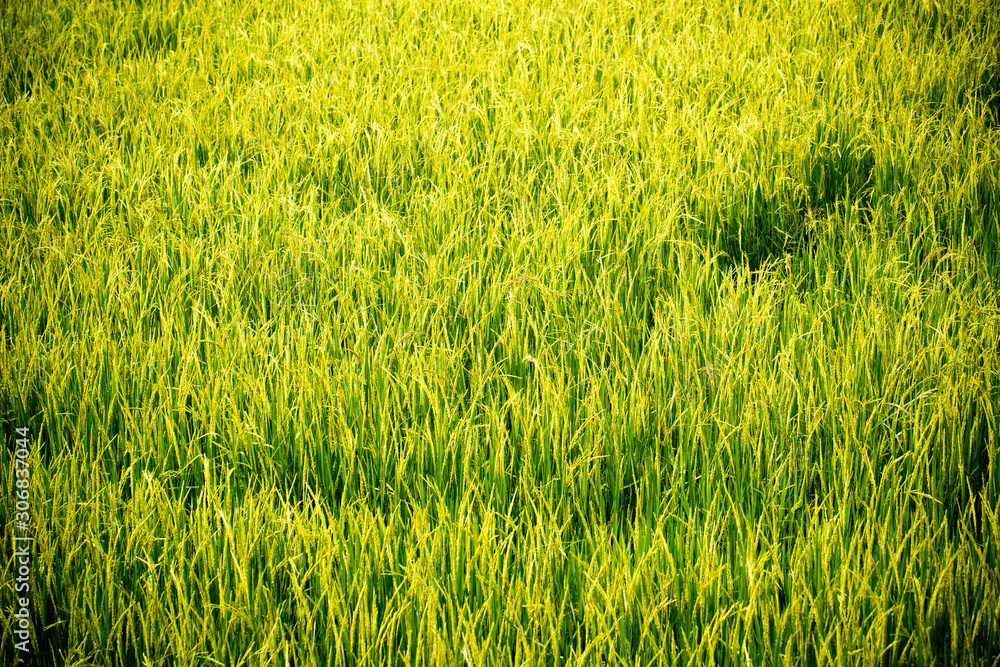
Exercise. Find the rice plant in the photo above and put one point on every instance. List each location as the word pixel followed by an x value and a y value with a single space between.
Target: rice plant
pixel 522 332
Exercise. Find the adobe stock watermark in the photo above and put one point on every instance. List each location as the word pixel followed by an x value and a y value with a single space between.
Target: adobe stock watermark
pixel 22 542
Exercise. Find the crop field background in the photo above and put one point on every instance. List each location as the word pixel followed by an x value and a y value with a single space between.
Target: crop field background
pixel 584 332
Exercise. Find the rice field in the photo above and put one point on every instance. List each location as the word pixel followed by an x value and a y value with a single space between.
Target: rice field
pixel 513 332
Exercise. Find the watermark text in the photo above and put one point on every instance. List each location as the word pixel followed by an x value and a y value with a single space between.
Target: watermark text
pixel 22 542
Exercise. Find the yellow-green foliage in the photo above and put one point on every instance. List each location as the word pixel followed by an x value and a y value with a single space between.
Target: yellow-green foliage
pixel 503 333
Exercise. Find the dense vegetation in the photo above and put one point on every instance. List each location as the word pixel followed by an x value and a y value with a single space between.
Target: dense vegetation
pixel 392 332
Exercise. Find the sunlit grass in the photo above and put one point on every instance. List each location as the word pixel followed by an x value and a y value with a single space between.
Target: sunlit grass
pixel 512 333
